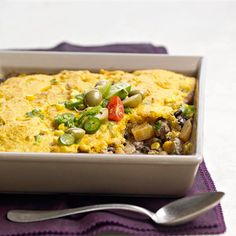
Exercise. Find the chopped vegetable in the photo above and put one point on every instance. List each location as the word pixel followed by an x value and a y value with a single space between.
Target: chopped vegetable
pixel 158 124
pixel 66 139
pixel 53 81
pixel 78 96
pixel 38 138
pixel 122 90
pixel 104 103
pixel 155 146
pixel 30 97
pixel 104 87
pixel 80 121
pixel 187 148
pixel 77 132
pixel 115 109
pixel 93 98
pixel 143 132
pixel 128 110
pixel 187 110
pixel 76 102
pixel 169 147
pixel 161 128
pixel 34 113
pixel 186 131
pixel 73 104
pixel 66 118
pixel 62 127
pixel 90 111
pixel 70 123
pixel 101 83
pixel 102 115
pixel 91 125
pixel 59 107
pixel 136 91
pixel 133 101
pixel 58 132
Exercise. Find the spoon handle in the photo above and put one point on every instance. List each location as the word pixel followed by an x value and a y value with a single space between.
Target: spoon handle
pixel 26 216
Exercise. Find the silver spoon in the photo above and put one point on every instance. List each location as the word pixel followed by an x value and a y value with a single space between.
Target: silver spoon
pixel 174 213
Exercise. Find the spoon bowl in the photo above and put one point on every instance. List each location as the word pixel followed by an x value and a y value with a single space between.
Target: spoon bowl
pixel 186 209
pixel 175 213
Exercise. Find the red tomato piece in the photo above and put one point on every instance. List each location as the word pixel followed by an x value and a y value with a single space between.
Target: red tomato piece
pixel 115 109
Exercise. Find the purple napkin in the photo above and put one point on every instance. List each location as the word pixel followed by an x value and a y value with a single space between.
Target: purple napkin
pixel 121 48
pixel 99 222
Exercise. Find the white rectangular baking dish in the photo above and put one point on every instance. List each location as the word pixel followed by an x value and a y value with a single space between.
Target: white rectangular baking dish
pixel 102 173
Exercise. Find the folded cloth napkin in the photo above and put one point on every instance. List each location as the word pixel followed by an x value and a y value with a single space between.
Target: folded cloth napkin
pixel 99 222
pixel 121 48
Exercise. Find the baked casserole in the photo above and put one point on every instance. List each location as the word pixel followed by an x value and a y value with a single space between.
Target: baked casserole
pixel 146 111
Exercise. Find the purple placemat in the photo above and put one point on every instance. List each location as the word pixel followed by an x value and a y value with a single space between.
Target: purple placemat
pixel 97 222
pixel 121 48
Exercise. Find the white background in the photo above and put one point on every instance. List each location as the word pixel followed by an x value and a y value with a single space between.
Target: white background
pixel 185 27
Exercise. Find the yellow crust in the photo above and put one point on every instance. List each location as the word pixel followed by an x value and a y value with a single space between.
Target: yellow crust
pixel 164 90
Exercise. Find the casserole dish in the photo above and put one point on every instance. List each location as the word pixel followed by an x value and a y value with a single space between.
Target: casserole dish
pixel 101 173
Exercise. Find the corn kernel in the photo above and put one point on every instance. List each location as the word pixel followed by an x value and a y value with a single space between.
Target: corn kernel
pixel 30 97
pixel 45 88
pixel 168 100
pixel 187 148
pixel 58 132
pixel 155 146
pixel 169 147
pixel 59 107
pixel 62 127
pixel 172 135
pixel 45 131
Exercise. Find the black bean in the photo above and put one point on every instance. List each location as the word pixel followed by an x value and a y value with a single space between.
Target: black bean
pixel 145 149
pixel 126 135
pixel 111 149
pixel 181 121
pixel 177 113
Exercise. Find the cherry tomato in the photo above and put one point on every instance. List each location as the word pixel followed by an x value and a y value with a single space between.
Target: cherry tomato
pixel 115 109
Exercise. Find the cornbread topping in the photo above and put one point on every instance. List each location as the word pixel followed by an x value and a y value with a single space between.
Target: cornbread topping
pixel 146 111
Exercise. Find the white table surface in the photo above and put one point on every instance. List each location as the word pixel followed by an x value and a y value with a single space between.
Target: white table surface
pixel 186 28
